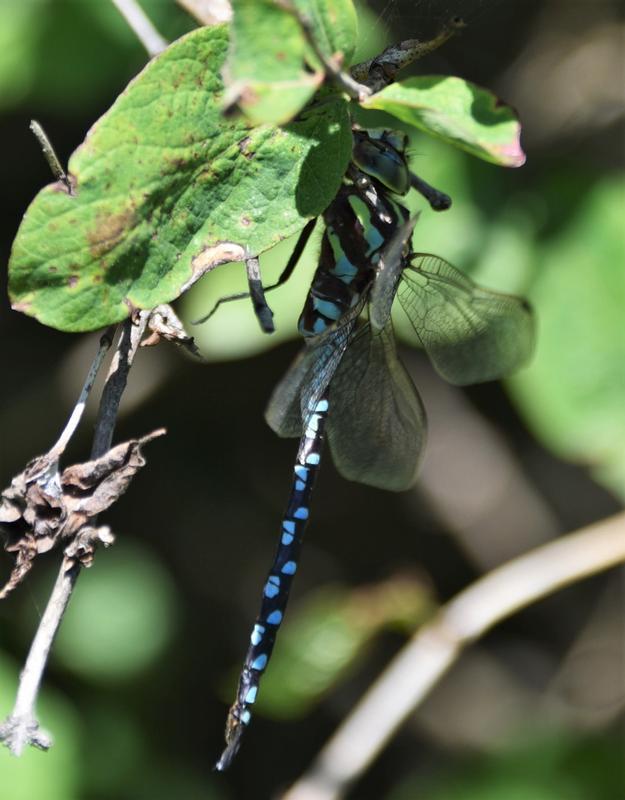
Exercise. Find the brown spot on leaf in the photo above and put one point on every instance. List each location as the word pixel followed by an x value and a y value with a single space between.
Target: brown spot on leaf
pixel 248 96
pixel 72 281
pixel 245 221
pixel 21 308
pixel 243 148
pixel 176 164
pixel 109 231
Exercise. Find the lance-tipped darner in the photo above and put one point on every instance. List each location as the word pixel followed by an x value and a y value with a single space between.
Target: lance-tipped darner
pixel 349 381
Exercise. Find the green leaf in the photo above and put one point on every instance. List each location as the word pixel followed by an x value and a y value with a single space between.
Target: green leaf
pixel 334 24
pixel 269 71
pixel 573 393
pixel 458 112
pixel 167 189
pixel 266 73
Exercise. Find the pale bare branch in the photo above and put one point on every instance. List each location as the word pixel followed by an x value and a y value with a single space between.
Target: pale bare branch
pixel 141 26
pixel 434 648
pixel 208 12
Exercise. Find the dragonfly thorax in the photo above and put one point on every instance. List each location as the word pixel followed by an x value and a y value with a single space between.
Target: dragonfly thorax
pixel 359 223
pixel 380 154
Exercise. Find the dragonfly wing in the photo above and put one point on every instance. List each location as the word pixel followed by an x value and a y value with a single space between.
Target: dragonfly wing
pixel 302 387
pixel 376 424
pixel 470 334
pixel 283 414
pixel 388 271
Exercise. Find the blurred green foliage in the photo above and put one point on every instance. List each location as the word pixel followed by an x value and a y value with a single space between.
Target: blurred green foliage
pixel 123 618
pixel 545 766
pixel 56 775
pixel 573 393
pixel 63 55
pixel 330 635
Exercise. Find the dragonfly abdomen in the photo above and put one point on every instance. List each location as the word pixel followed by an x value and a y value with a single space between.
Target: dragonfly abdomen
pixel 278 583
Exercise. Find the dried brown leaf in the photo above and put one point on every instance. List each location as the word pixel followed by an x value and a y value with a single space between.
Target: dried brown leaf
pixel 42 506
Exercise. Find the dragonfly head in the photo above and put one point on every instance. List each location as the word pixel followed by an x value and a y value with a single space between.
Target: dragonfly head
pixel 380 154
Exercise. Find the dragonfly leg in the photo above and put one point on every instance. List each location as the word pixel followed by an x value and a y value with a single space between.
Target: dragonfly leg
pixel 295 256
pixel 264 314
pixel 439 201
pixel 278 584
pixel 257 291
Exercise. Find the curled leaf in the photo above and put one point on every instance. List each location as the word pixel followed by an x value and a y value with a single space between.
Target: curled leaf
pixel 165 324
pixel 458 112
pixel 43 506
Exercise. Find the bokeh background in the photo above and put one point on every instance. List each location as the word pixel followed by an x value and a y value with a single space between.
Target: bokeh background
pixel 146 662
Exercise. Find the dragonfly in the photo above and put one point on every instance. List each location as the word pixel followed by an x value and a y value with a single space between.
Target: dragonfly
pixel 348 383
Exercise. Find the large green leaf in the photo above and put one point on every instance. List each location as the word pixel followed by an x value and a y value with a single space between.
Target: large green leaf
pixel 573 393
pixel 458 112
pixel 266 72
pixel 334 24
pixel 271 71
pixel 166 189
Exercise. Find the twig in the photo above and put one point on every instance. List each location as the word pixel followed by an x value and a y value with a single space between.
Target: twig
pixel 132 333
pixel 50 155
pixel 143 28
pixel 22 727
pixel 208 12
pixel 106 340
pixel 378 72
pixel 435 647
pixel 354 89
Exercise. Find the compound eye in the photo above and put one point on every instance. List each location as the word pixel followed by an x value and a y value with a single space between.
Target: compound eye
pixel 382 162
pixel 397 139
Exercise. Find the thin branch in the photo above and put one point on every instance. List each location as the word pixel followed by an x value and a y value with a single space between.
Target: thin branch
pixel 379 72
pixel 50 155
pixel 106 340
pixel 132 333
pixel 208 12
pixel 142 27
pixel 21 727
pixel 436 646
pixel 332 66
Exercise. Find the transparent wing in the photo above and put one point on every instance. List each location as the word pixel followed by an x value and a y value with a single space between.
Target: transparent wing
pixel 388 271
pixel 470 334
pixel 307 379
pixel 376 424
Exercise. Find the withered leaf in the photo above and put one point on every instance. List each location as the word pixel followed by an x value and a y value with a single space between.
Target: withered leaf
pixel 164 323
pixel 41 506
